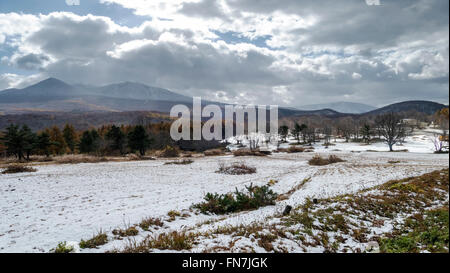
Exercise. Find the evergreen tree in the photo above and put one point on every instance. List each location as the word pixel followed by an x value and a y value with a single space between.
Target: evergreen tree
pixel 117 139
pixel 44 143
pixel 138 140
pixel 29 140
pixel 89 142
pixel 70 137
pixel 15 141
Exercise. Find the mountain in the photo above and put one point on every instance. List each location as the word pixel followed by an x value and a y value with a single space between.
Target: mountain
pixel 53 95
pixel 342 107
pixel 427 107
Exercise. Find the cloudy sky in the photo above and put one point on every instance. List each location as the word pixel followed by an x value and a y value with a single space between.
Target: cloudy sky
pixel 285 52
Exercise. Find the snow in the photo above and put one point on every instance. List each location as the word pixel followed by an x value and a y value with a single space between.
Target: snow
pixel 72 202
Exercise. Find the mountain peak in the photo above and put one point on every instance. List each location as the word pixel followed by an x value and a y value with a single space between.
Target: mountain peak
pixel 51 82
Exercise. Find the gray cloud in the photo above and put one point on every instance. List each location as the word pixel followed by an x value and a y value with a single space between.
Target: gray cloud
pixel 342 51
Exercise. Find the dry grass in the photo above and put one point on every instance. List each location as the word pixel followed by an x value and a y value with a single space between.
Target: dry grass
pixel 317 160
pixel 169 152
pixel 181 162
pixel 235 169
pixel 130 231
pixel 100 239
pixel 77 159
pixel 248 152
pixel 146 223
pixel 292 150
pixel 17 168
pixel 214 152
pixel 166 241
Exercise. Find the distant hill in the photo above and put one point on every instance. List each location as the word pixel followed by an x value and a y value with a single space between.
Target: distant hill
pixel 54 102
pixel 426 107
pixel 342 107
pixel 53 95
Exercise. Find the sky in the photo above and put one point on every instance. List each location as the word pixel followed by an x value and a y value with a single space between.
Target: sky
pixel 283 52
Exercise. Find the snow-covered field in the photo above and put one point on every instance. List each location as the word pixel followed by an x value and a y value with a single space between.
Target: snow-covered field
pixel 70 202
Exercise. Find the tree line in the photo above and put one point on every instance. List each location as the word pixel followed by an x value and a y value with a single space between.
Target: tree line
pixel 21 142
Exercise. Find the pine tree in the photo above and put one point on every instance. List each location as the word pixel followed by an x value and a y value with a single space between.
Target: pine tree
pixel 29 140
pixel 44 143
pixel 15 141
pixel 117 139
pixel 89 142
pixel 70 137
pixel 138 140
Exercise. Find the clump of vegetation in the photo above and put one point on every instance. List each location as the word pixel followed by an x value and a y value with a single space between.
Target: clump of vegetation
pixel 130 231
pixel 16 168
pixel 317 160
pixel 63 248
pixel 248 152
pixel 173 214
pixel 170 151
pixel 292 150
pixel 254 198
pixel 182 162
pixel 146 223
pixel 77 159
pixel 166 241
pixel 100 239
pixel 214 152
pixel 394 161
pixel 236 169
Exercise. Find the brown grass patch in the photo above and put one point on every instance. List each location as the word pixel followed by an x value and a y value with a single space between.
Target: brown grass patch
pixel 248 152
pixel 214 152
pixel 16 168
pixel 77 159
pixel 317 160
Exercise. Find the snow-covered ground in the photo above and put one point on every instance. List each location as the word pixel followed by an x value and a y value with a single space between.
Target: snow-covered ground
pixel 70 202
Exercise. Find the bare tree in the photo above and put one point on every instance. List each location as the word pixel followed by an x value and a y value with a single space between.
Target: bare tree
pixel 390 127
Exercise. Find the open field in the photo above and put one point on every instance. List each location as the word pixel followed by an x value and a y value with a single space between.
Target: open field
pixel 72 202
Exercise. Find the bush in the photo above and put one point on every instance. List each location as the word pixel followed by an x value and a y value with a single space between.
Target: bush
pixel 236 169
pixel 146 223
pixel 131 231
pixel 63 248
pixel 170 151
pixel 248 152
pixel 320 161
pixel 18 169
pixel 292 150
pixel 100 239
pixel 255 198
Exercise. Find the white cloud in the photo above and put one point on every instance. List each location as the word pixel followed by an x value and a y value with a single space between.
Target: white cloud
pixel 284 49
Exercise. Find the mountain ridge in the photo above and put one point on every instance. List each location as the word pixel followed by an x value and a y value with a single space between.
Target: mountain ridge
pixel 53 95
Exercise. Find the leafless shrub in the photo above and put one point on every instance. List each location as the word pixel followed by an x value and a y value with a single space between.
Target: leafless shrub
pixel 235 169
pixel 317 160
